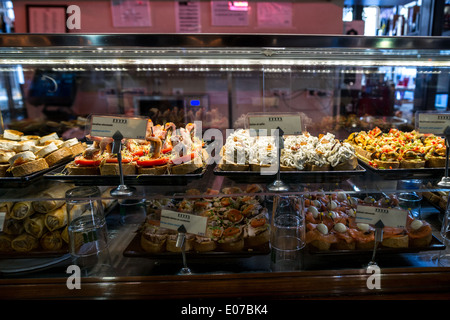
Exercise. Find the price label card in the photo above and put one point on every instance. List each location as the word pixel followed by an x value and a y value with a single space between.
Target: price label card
pixel 390 217
pixel 289 123
pixel 432 122
pixel 193 223
pixel 129 127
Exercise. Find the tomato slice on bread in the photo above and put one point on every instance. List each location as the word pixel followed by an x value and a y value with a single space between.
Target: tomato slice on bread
pixel 143 162
pixel 82 161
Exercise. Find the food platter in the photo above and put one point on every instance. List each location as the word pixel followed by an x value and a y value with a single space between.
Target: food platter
pixel 60 174
pixel 11 182
pixel 134 250
pixel 403 173
pixel 435 244
pixel 292 176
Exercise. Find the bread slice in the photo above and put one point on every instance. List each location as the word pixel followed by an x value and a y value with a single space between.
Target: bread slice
pixel 77 149
pixel 204 245
pixel 257 240
pixel 435 162
pixel 74 170
pixel 232 246
pixel 186 167
pixel 233 167
pixel 152 247
pixel 29 167
pixel 412 164
pixel 58 156
pixel 400 241
pixel 158 170
pixel 387 164
pixel 3 169
pixel 113 169
pixel 320 245
pixel 348 165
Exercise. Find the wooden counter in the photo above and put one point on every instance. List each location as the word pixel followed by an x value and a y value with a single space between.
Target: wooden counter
pixel 395 283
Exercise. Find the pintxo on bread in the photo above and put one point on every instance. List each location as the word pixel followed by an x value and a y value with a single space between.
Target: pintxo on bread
pixel 398 149
pixel 235 223
pixel 165 150
pixel 331 224
pixel 22 155
pixel 300 153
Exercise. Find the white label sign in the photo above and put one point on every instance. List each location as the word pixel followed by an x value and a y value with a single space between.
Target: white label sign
pixel 433 122
pixel 290 124
pixel 193 223
pixel 107 126
pixel 390 217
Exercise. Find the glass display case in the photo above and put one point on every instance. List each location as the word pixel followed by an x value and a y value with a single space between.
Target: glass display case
pixel 336 99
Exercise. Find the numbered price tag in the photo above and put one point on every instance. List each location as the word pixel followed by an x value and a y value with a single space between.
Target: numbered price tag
pixel 288 123
pixel 432 122
pixel 129 127
pixel 173 220
pixel 390 217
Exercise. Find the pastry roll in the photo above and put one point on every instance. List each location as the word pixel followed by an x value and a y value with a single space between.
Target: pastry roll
pixel 51 240
pixel 24 243
pixel 56 219
pixel 5 242
pixel 12 226
pixel 35 225
pixel 22 210
pixel 56 199
pixel 65 234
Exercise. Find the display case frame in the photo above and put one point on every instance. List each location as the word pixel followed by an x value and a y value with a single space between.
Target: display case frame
pixel 413 279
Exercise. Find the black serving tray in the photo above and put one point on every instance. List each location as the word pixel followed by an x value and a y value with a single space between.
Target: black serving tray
pixel 435 244
pixel 291 176
pixel 60 174
pixel 134 250
pixel 404 173
pixel 23 181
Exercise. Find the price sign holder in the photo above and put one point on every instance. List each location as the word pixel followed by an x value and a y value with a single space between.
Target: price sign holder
pixel 437 123
pixel 181 240
pixel 285 123
pixel 278 185
pixel 118 127
pixel 122 190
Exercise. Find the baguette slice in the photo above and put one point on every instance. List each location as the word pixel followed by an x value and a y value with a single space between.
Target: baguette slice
pixel 186 167
pixel 412 164
pixel 435 162
pixel 158 170
pixel 57 156
pixel 75 170
pixel 400 241
pixel 29 167
pixel 113 169
pixel 77 149
pixel 387 164
pixel 4 169
pixel 351 164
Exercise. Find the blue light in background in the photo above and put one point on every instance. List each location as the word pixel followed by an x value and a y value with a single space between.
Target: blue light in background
pixel 195 103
